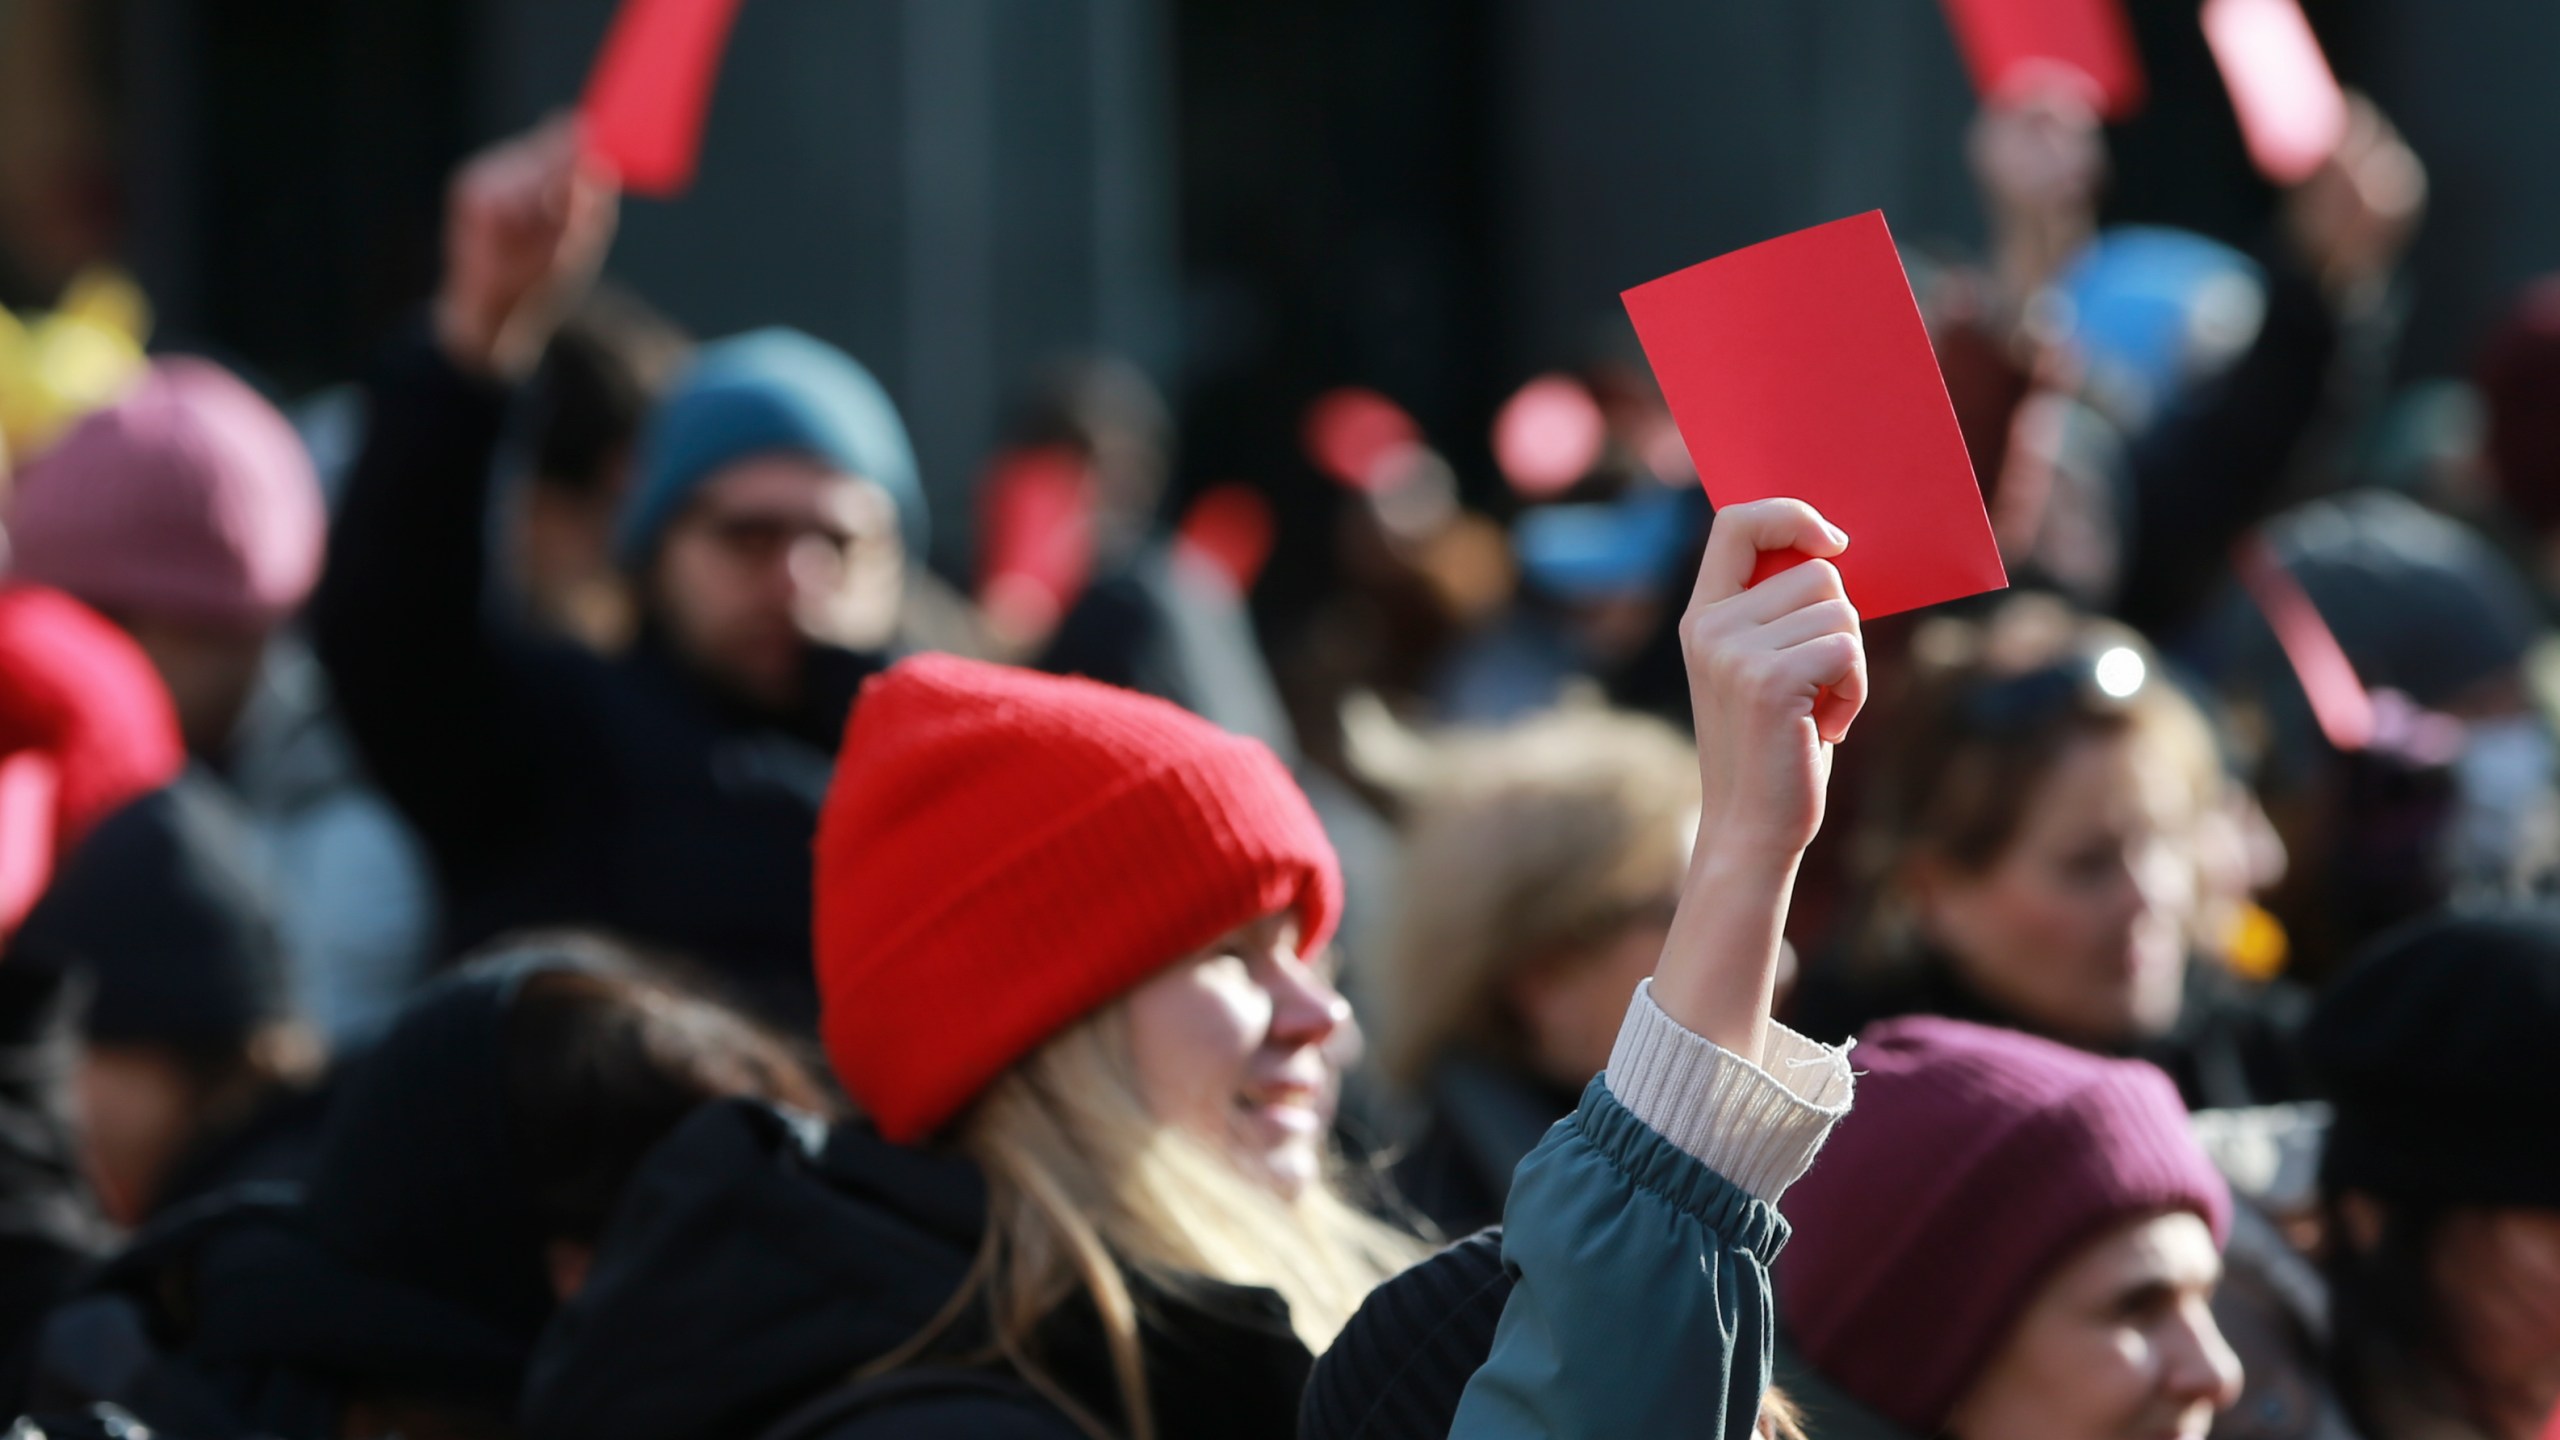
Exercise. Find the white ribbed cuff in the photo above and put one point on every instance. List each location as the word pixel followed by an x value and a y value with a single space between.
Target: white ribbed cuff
pixel 1758 1126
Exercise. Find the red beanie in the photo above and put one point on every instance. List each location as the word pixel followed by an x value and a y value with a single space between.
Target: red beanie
pixel 1976 1161
pixel 1003 852
pixel 76 687
pixel 80 702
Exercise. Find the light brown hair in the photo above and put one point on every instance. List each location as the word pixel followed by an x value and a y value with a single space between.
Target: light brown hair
pixel 1526 846
pixel 1990 708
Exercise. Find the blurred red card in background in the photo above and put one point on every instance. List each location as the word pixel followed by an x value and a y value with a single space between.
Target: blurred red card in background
pixel 2011 46
pixel 1035 536
pixel 1799 367
pixel 2340 704
pixel 1230 529
pixel 2292 113
pixel 650 92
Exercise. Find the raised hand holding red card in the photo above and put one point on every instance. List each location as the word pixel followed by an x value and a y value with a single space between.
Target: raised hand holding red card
pixel 2292 113
pixel 2014 46
pixel 1799 368
pixel 650 93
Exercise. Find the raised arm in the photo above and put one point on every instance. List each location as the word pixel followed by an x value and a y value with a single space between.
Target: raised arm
pixel 1640 1231
pixel 1776 674
pixel 446 709
pixel 2236 450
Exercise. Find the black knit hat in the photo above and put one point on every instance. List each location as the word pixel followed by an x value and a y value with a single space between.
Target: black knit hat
pixel 2422 604
pixel 2441 1048
pixel 167 909
pixel 414 1261
pixel 1398 1369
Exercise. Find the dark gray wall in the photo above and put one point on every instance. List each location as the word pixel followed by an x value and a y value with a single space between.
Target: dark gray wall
pixel 2476 86
pixel 954 190
pixel 1639 136
pixel 1648 136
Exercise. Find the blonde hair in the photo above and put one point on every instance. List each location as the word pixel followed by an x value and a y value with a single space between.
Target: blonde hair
pixel 1086 1187
pixel 1526 846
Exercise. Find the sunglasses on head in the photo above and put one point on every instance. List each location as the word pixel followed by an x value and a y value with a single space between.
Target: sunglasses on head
pixel 2110 677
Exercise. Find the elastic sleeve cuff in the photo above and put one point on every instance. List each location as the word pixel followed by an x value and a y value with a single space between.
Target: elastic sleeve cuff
pixel 1757 1125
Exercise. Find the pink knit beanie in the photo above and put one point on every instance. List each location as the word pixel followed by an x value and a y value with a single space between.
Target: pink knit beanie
pixel 1977 1161
pixel 189 499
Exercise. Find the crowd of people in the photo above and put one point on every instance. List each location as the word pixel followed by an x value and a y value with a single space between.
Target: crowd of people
pixel 562 921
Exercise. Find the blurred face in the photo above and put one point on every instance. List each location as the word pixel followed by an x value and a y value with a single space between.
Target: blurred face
pixel 1571 1008
pixel 2119 1344
pixel 136 1111
pixel 2079 928
pixel 779 552
pixel 210 673
pixel 2496 1273
pixel 1237 1045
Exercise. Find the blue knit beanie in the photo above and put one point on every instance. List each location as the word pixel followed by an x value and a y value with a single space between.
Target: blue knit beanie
pixel 767 390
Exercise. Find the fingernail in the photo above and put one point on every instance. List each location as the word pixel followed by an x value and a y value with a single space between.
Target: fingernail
pixel 1839 536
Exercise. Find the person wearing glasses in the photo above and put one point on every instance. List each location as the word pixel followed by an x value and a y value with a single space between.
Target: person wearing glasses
pixel 668 792
pixel 2033 857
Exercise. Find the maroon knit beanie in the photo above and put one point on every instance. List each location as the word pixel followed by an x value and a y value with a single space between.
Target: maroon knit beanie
pixel 2519 378
pixel 1976 1161
pixel 1004 852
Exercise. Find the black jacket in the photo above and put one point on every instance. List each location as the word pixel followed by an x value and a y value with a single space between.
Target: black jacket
pixel 408 1268
pixel 2235 1043
pixel 1483 1120
pixel 230 1318
pixel 1157 626
pixel 554 785
pixel 50 1226
pixel 759 1260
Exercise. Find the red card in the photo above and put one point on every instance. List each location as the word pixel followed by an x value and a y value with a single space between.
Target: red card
pixel 1548 435
pixel 1800 367
pixel 1359 438
pixel 2292 113
pixel 2340 705
pixel 2015 45
pixel 1035 535
pixel 1230 529
pixel 651 91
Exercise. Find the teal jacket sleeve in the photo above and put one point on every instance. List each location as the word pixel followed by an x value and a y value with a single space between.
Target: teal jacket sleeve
pixel 1640 1232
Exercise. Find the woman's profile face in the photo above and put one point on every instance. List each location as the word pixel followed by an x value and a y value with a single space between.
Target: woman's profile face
pixel 2118 1344
pixel 1233 1044
pixel 2079 927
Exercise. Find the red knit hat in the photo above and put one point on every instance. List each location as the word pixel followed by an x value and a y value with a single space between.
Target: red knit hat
pixel 1976 1161
pixel 80 702
pixel 1002 852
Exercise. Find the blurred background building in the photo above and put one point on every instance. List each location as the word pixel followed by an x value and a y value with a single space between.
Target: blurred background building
pixel 1255 200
